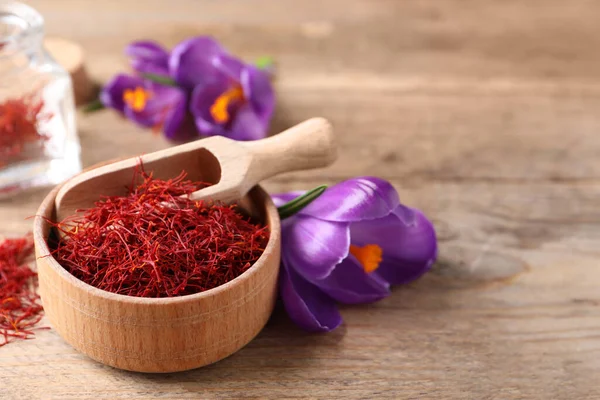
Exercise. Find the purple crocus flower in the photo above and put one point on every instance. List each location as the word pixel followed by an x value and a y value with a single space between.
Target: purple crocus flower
pixel 229 98
pixel 348 246
pixel 149 104
pixel 216 94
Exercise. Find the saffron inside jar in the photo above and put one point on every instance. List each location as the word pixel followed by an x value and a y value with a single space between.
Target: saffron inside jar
pixel 154 243
pixel 20 120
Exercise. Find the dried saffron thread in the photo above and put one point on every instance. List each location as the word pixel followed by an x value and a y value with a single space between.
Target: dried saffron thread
pixel 20 120
pixel 154 243
pixel 20 306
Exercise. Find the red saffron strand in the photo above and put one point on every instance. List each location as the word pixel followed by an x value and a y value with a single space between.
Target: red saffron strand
pixel 20 305
pixel 19 126
pixel 153 243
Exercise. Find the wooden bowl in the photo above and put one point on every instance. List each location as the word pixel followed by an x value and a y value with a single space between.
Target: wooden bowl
pixel 166 334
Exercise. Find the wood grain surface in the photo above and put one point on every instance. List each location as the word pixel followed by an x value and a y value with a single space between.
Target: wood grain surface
pixel 485 114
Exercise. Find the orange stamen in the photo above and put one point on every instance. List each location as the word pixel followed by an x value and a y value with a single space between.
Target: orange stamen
pixel 136 98
pixel 219 110
pixel 369 256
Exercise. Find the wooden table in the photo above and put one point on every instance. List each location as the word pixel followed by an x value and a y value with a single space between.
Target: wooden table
pixel 485 114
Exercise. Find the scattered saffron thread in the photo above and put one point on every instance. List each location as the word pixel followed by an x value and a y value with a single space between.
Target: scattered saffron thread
pixel 20 306
pixel 154 243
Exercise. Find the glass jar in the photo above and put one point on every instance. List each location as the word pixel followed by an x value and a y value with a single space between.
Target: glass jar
pixel 38 139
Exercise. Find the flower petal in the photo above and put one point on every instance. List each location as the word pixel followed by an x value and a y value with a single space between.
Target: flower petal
pixel 181 132
pixel 407 239
pixel 230 66
pixel 259 90
pixel 355 200
pixel 165 107
pixel 192 62
pixel 247 125
pixel 349 283
pixel 313 247
pixel 203 97
pixel 112 93
pixel 148 57
pixel 174 118
pixel 307 306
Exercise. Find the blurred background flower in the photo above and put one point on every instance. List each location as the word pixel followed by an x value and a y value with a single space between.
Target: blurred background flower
pixel 149 104
pixel 197 81
pixel 229 97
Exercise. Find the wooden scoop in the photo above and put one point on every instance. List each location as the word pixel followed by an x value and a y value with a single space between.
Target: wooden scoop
pixel 234 167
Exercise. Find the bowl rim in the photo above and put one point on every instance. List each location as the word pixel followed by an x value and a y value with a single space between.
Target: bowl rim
pixel 43 252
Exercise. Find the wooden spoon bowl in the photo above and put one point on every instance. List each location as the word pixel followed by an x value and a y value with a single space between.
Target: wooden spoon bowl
pixel 166 334
pixel 231 167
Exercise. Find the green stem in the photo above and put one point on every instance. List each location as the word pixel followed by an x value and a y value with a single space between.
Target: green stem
pixel 163 80
pixel 93 106
pixel 292 207
pixel 264 62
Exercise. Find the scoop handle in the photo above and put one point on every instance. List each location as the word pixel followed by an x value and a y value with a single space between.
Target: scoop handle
pixel 308 145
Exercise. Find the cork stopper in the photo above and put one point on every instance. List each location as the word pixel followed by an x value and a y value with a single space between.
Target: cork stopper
pixel 70 56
